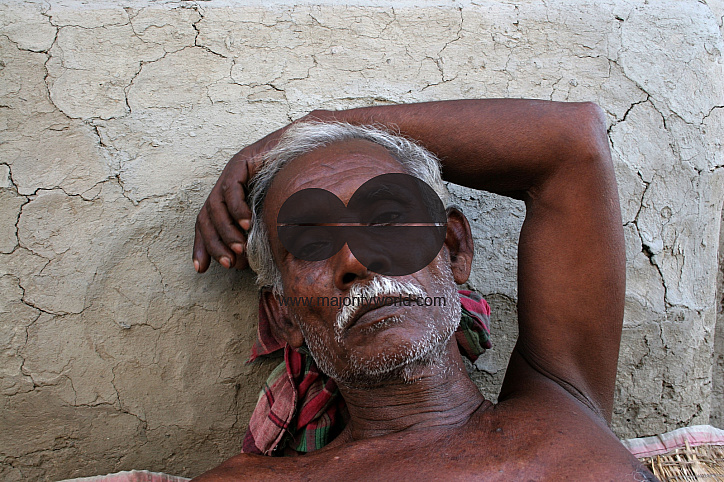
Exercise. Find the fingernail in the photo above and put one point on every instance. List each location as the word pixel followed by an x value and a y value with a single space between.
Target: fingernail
pixel 238 248
pixel 196 265
pixel 245 224
pixel 225 262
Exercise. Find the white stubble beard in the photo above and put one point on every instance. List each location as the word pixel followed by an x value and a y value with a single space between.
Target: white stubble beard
pixel 405 364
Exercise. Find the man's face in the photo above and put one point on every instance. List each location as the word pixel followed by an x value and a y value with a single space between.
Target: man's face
pixel 365 343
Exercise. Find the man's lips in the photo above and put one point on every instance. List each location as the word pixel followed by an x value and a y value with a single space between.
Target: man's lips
pixel 373 315
pixel 388 309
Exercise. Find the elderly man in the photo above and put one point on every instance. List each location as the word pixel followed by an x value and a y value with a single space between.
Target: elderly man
pixel 414 412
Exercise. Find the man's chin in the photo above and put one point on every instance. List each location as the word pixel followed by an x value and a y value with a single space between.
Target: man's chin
pixel 404 362
pixel 408 371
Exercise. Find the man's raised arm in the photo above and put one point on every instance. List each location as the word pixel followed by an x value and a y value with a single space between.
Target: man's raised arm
pixel 571 271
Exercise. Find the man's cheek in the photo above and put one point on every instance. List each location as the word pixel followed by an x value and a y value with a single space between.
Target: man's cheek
pixel 306 274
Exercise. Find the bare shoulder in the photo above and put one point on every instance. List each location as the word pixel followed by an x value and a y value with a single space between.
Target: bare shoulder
pixel 551 434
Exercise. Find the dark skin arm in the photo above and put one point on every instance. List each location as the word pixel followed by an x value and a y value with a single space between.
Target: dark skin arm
pixel 571 267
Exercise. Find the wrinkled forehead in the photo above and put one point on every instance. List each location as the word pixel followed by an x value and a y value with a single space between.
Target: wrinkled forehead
pixel 339 168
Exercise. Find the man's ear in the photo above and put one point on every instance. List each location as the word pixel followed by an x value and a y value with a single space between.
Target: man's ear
pixel 459 242
pixel 283 327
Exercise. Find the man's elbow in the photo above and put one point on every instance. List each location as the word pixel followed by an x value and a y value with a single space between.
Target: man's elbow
pixel 592 134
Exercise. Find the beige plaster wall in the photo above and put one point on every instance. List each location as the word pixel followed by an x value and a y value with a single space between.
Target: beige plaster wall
pixel 116 118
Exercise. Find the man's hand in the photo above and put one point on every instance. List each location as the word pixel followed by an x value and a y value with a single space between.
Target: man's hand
pixel 225 217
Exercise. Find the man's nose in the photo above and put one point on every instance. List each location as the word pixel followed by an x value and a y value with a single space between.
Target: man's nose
pixel 349 270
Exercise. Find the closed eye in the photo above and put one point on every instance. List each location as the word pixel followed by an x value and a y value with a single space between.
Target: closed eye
pixel 311 249
pixel 388 217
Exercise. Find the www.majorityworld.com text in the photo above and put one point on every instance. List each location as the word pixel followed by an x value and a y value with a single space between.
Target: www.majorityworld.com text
pixel 363 301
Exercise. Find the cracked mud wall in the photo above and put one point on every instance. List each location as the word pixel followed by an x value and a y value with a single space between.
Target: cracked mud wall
pixel 117 118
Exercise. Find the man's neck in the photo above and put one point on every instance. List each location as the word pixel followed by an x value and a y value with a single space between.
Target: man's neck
pixel 439 395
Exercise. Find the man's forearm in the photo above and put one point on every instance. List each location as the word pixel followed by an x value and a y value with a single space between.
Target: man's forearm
pixel 556 157
pixel 499 145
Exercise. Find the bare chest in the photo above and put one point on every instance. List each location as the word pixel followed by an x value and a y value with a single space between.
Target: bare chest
pixel 501 444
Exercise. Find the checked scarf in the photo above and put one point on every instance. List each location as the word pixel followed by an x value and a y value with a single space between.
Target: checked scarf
pixel 300 408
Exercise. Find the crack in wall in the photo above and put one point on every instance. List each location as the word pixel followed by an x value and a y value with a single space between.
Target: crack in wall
pixel 711 111
pixel 646 248
pixel 143 422
pixel 195 25
pixel 438 59
pixel 18 352
pixel 45 51
pixel 24 371
pixel 141 62
pixel 14 188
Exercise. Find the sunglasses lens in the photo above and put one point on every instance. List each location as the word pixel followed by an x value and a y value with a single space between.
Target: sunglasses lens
pixel 391 207
pixel 304 220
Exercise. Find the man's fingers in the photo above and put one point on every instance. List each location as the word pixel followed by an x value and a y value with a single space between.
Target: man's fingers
pixel 236 202
pixel 200 256
pixel 226 227
pixel 212 242
pixel 225 216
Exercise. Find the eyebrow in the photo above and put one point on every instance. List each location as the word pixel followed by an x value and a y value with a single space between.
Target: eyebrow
pixel 309 215
pixel 384 192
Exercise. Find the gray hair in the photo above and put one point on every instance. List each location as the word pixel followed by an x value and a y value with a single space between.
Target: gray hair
pixel 305 137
